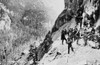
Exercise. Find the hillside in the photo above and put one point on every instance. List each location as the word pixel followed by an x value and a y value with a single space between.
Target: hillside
pixel 47 32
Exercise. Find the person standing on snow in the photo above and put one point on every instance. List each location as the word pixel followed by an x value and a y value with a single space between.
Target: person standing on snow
pixel 70 41
pixel 63 33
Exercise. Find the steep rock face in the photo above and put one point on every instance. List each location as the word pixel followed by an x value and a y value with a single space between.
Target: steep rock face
pixel 64 17
pixel 22 34
pixel 70 11
pixel 71 7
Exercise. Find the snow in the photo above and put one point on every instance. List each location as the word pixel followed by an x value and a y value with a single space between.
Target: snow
pixel 81 42
pixel 82 55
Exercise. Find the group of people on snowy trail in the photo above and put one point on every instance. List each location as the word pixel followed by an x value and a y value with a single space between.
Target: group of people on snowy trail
pixel 86 30
pixel 71 35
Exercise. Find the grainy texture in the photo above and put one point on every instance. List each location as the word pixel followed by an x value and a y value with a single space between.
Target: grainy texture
pixel 49 32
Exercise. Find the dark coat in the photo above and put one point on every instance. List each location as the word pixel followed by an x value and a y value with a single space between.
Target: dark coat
pixel 63 33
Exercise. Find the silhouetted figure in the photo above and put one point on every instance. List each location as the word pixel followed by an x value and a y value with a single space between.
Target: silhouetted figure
pixel 70 45
pixel 63 33
pixel 85 40
pixel 98 40
pixel 74 33
pixel 70 32
pixel 77 36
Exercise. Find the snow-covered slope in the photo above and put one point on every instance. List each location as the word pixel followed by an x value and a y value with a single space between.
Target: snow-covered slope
pixel 81 55
pixel 20 46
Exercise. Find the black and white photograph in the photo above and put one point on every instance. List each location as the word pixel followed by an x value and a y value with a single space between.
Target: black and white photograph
pixel 49 32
